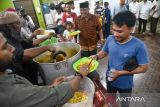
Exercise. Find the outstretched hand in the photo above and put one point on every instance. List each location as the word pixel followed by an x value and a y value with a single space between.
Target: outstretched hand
pixel 39 31
pixel 115 74
pixel 84 70
pixel 50 34
pixel 58 80
pixel 94 57
pixel 53 48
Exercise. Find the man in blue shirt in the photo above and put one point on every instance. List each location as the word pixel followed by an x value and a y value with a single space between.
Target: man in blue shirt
pixel 120 48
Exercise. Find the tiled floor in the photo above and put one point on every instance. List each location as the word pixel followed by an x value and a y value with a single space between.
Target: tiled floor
pixel 146 85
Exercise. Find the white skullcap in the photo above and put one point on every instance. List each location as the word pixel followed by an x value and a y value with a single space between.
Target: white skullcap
pixel 8 17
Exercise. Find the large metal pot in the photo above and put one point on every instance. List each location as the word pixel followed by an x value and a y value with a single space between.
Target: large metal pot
pixel 62 68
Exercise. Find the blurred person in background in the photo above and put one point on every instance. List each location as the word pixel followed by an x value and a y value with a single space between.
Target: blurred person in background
pixel 89 25
pixel 106 20
pixel 120 7
pixel 66 34
pixel 144 11
pixel 74 9
pixel 68 15
pixel 58 20
pixel 134 8
pixel 155 14
pixel 98 9
pixel 58 16
pixel 26 21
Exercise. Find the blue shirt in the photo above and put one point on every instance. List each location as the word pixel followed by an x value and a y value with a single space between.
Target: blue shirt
pixel 119 54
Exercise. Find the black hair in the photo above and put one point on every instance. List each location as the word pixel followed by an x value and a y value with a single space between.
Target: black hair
pixel 125 18
pixel 52 6
pixel 97 2
pixel 25 16
pixel 61 3
pixel 106 3
pixel 69 23
pixel 58 7
pixel 22 11
pixel 67 3
pixel 71 2
pixel 5 31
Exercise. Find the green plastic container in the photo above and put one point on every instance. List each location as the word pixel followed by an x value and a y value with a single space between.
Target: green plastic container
pixel 83 60
pixel 74 33
pixel 49 41
pixel 53 40
pixel 46 42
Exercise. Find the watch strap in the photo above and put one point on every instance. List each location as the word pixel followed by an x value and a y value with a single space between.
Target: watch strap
pixel 79 74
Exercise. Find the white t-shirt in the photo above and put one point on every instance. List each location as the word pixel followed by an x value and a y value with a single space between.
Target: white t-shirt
pixel 27 24
pixel 48 19
pixel 134 8
pixel 24 34
pixel 53 13
pixel 58 16
pixel 66 33
pixel 145 9
pixel 157 9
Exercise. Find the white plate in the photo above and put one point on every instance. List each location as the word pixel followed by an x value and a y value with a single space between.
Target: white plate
pixel 40 36
pixel 50 31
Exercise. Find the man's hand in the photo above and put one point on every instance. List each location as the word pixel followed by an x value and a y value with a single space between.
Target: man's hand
pixel 84 70
pixel 39 31
pixel 115 74
pixel 49 35
pixel 105 21
pixel 94 57
pixel 52 48
pixel 70 38
pixel 58 81
pixel 102 41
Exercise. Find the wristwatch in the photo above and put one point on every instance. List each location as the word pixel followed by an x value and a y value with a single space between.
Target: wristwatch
pixel 79 74
pixel 97 57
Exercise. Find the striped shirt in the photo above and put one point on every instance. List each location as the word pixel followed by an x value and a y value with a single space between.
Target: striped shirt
pixel 88 27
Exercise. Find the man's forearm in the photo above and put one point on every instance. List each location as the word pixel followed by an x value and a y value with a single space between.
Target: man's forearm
pixel 32 36
pixel 140 69
pixel 33 52
pixel 75 83
pixel 38 41
pixel 101 54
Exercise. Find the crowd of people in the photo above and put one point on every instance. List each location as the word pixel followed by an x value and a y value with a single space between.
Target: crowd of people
pixel 146 11
pixel 19 45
